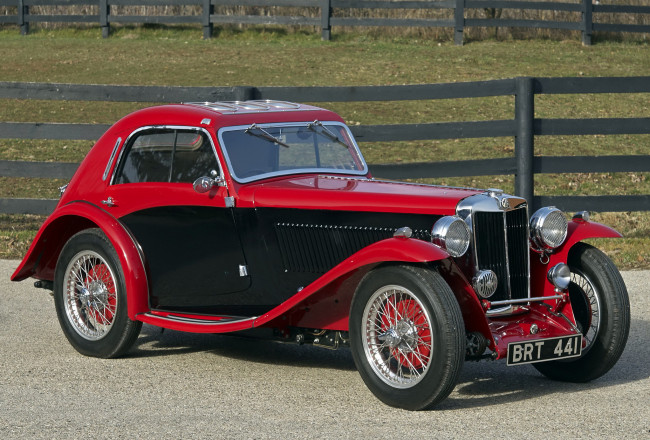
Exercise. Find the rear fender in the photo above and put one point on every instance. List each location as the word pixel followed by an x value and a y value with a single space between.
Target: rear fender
pixel 40 260
pixel 325 304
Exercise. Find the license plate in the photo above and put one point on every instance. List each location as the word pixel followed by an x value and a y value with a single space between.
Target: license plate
pixel 542 350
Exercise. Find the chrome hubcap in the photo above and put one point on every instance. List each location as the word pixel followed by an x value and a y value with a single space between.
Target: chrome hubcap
pixel 402 335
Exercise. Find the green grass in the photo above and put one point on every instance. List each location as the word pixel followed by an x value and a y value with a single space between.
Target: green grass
pixel 258 57
pixel 154 55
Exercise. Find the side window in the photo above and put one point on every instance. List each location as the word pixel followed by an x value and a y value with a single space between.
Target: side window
pixel 167 155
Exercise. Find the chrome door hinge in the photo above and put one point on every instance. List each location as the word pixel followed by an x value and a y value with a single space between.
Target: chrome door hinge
pixel 230 202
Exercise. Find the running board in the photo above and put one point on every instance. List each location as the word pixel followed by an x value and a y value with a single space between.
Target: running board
pixel 198 325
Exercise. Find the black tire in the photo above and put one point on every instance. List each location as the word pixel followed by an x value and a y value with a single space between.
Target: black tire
pixel 90 297
pixel 413 361
pixel 602 310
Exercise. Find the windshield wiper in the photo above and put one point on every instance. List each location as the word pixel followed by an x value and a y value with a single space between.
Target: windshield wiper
pixel 264 135
pixel 325 132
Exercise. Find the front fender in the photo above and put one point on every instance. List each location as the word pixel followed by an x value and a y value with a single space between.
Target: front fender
pixel 325 303
pixel 578 231
pixel 40 260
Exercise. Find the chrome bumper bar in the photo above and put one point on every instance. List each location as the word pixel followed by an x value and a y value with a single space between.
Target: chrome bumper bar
pixel 509 302
pixel 505 307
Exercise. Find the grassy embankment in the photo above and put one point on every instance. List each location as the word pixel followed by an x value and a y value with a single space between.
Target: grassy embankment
pixel 172 56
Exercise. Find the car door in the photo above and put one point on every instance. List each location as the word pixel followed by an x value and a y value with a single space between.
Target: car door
pixel 189 239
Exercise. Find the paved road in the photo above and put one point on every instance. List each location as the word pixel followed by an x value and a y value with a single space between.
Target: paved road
pixel 177 385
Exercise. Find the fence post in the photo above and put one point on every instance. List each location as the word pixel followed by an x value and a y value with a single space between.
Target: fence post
pixel 104 11
pixel 23 12
pixel 459 22
pixel 325 15
pixel 587 21
pixel 208 27
pixel 524 140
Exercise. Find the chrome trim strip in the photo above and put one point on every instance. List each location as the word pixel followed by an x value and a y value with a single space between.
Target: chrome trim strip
pixel 110 159
pixel 357 151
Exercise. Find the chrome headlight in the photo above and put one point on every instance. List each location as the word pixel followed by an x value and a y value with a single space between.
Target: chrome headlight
pixel 452 234
pixel 548 228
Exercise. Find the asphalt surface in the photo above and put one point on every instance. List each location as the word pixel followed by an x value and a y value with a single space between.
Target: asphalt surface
pixel 176 385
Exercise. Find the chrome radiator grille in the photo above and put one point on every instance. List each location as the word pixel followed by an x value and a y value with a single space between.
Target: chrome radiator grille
pixel 501 245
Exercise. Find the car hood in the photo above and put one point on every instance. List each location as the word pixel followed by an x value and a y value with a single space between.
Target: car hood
pixel 353 194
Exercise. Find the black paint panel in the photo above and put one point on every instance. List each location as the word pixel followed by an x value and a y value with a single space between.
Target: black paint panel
pixel 193 254
pixel 287 249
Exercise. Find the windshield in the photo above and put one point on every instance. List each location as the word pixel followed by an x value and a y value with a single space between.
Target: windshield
pixel 264 150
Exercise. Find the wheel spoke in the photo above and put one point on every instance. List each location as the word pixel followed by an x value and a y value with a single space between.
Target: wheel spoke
pixel 415 354
pixel 410 365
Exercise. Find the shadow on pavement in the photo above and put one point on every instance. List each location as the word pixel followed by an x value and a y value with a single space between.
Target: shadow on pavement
pixel 481 384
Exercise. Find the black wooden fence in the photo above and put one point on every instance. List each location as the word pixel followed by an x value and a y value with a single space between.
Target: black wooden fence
pixel 332 14
pixel 523 127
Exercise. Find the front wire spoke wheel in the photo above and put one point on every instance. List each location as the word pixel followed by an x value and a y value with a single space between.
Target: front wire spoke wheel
pixel 396 345
pixel 90 296
pixel 407 335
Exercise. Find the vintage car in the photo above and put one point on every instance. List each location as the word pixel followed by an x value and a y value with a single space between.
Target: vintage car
pixel 234 216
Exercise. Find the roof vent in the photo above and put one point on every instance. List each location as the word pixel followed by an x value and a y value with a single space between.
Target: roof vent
pixel 248 106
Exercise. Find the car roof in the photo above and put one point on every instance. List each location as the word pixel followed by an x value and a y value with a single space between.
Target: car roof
pixel 223 113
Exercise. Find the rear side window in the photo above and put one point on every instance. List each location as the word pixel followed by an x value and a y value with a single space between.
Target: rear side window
pixel 167 155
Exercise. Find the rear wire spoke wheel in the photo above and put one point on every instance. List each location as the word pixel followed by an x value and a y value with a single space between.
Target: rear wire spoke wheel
pixel 90 297
pixel 601 308
pixel 407 336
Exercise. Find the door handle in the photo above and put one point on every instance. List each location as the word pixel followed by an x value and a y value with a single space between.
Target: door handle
pixel 110 202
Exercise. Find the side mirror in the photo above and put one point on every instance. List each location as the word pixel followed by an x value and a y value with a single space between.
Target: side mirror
pixel 205 184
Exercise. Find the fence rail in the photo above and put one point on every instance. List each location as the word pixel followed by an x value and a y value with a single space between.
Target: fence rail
pixel 523 128
pixel 331 14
